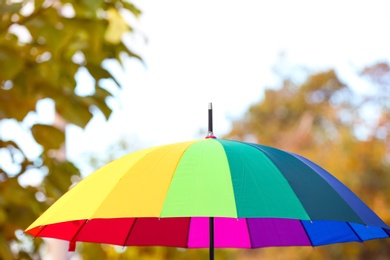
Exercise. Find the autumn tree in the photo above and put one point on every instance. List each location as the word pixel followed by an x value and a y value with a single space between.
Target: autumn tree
pixel 43 45
pixel 343 127
pixel 325 119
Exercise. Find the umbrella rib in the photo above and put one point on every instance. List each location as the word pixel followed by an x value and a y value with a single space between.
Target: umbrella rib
pixel 307 234
pixel 353 230
pixel 249 233
pixel 73 240
pixel 188 231
pixel 43 227
pixel 128 234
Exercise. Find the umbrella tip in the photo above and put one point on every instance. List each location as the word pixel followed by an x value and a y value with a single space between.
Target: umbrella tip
pixel 210 105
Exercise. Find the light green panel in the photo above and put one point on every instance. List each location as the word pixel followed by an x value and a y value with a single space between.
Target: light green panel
pixel 201 185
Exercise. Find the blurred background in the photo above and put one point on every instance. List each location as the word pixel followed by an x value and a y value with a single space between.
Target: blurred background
pixel 85 82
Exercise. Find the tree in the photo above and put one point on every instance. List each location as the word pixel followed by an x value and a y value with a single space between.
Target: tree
pixel 324 119
pixel 43 45
pixel 341 127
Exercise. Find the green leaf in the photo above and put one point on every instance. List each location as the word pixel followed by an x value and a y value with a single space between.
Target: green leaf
pixel 73 110
pixel 3 216
pixel 15 105
pixel 10 63
pixel 10 8
pixel 121 48
pixel 58 181
pixel 99 100
pixel 98 72
pixel 132 8
pixel 5 250
pixel 9 143
pixel 38 4
pixel 92 5
pixel 48 136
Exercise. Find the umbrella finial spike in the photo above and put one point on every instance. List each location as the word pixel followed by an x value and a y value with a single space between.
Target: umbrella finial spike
pixel 210 130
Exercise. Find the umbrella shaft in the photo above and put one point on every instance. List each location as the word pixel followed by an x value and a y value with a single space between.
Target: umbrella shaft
pixel 211 249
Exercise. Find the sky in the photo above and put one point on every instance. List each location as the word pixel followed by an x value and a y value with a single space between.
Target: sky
pixel 223 52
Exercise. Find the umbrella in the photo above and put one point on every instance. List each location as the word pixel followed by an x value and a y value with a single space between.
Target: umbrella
pixel 210 193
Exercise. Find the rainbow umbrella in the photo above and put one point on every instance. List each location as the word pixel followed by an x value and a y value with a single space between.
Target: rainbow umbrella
pixel 210 193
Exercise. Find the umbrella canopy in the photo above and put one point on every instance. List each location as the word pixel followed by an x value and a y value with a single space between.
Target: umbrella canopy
pixel 257 196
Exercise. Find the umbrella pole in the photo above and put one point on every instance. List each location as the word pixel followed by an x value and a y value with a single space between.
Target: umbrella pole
pixel 211 219
pixel 211 248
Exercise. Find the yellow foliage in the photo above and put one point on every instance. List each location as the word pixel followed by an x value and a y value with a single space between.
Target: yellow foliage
pixel 117 26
